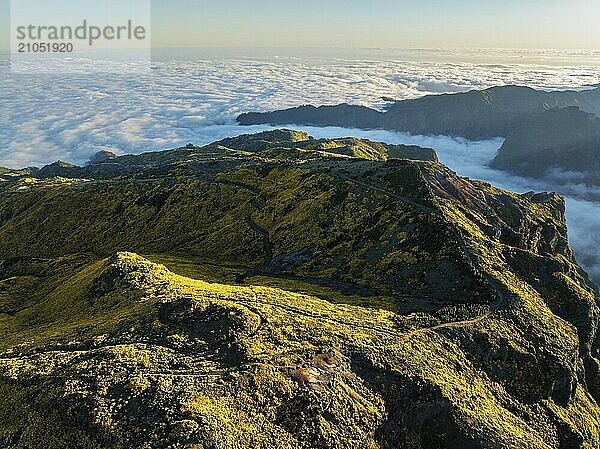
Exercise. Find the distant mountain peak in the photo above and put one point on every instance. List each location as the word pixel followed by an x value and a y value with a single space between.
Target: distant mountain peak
pixel 101 157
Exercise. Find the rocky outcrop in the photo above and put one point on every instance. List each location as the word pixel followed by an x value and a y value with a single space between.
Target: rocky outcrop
pixel 56 169
pixel 344 115
pixel 102 157
pixel 557 140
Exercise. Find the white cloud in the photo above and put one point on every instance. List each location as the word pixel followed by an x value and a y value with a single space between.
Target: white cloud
pixel 71 116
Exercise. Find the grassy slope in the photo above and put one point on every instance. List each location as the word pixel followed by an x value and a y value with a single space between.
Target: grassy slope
pixel 281 339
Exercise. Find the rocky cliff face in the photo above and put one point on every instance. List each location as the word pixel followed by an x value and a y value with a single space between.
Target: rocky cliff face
pixel 102 157
pixel 345 115
pixel 566 139
pixel 329 294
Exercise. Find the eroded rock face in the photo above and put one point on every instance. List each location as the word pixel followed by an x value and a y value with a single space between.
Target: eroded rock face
pixel 557 140
pixel 356 300
pixel 478 114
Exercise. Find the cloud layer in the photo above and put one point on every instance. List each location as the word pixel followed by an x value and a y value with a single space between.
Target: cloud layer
pixel 45 117
pixel 71 116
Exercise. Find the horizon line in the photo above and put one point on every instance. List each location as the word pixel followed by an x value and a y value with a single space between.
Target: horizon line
pixel 409 48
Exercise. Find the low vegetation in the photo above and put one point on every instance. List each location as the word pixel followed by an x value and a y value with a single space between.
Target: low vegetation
pixel 266 292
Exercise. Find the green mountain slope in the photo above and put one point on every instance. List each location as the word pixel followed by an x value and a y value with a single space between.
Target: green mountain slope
pixel 329 294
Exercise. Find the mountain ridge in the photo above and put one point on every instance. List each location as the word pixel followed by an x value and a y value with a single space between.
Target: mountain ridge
pixel 276 290
pixel 512 112
pixel 477 114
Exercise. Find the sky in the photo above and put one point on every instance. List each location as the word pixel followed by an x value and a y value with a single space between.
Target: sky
pixel 365 23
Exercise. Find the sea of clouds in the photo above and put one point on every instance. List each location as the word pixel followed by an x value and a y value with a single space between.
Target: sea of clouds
pixel 70 116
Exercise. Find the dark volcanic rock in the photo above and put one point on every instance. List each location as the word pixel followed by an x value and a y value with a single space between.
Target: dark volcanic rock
pixel 567 139
pixel 344 115
pixel 477 114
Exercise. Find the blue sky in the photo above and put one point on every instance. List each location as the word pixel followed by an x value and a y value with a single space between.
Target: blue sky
pixel 368 23
pixel 382 23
